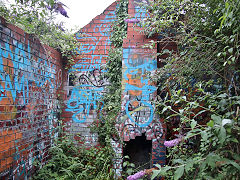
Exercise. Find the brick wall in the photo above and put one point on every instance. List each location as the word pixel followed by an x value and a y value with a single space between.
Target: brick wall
pixel 31 77
pixel 30 80
pixel 138 91
pixel 83 96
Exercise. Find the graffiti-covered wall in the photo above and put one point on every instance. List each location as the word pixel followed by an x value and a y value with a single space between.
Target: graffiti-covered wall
pixel 84 94
pixel 85 83
pixel 139 64
pixel 30 77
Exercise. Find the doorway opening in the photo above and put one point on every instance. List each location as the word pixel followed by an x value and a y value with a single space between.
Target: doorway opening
pixel 139 151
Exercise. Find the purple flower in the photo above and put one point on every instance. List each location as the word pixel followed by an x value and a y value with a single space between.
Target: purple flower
pixel 49 7
pixel 60 26
pixel 58 8
pixel 63 11
pixel 173 142
pixel 136 176
pixel 132 20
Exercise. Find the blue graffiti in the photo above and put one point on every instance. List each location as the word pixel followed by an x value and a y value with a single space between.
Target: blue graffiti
pixel 147 65
pixel 140 12
pixel 143 64
pixel 139 67
pixel 103 29
pixel 16 86
pixel 89 64
pixel 110 17
pixel 83 99
pixel 146 90
pixel 145 124
pixel 39 72
pixel 86 47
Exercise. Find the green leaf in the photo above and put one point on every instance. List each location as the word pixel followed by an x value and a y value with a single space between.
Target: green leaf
pixel 193 124
pixel 155 174
pixel 181 111
pixel 200 112
pixel 228 161
pixel 166 108
pixel 210 123
pixel 210 160
pixel 189 165
pixel 230 50
pixel 129 171
pixel 180 161
pixel 224 95
pixel 224 64
pixel 178 173
pixel 132 165
pixel 179 91
pixel 222 135
pixel 204 135
pixel 236 156
pixel 235 140
pixel 158 166
pixel 164 170
pixel 235 165
pixel 216 119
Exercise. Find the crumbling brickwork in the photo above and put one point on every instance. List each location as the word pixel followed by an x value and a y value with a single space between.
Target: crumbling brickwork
pixel 84 95
pixel 139 64
pixel 32 76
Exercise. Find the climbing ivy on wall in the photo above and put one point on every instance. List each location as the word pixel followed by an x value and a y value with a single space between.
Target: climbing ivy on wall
pixel 119 29
pixel 105 126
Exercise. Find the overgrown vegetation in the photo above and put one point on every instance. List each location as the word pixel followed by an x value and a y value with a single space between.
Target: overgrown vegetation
pixel 199 86
pixel 105 126
pixel 79 162
pixel 69 161
pixel 39 19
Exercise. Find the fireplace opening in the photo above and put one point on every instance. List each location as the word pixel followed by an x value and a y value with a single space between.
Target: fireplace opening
pixel 139 151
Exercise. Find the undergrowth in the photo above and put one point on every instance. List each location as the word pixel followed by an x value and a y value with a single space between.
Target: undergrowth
pixel 70 161
pixel 75 161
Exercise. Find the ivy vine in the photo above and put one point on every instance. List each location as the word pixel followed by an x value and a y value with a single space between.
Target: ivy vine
pixel 105 126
